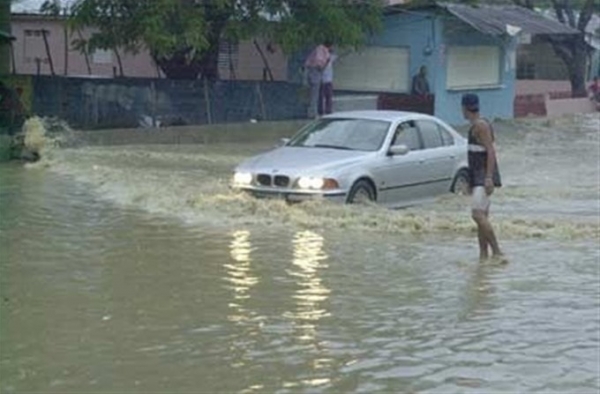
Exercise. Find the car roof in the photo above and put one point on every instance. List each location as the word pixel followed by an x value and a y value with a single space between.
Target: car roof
pixel 389 116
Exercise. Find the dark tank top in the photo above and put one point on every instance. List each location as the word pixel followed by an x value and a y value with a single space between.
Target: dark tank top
pixel 477 156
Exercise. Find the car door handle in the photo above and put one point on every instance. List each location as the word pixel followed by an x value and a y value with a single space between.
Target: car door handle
pixel 422 161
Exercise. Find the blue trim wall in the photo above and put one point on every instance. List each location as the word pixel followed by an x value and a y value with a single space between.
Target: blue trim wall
pixel 495 102
pixel 422 30
pixel 416 31
pixel 429 30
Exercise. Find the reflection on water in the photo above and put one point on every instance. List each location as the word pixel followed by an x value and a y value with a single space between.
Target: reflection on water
pixel 478 290
pixel 307 265
pixel 239 274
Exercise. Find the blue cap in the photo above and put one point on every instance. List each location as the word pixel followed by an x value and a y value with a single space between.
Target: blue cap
pixel 471 102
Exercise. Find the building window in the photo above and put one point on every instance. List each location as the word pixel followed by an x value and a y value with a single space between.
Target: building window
pixel 34 48
pixel 102 56
pixel 228 58
pixel 356 71
pixel 35 33
pixel 473 67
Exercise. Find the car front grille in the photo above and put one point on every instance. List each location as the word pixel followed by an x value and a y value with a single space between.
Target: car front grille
pixel 264 179
pixel 282 181
pixel 273 181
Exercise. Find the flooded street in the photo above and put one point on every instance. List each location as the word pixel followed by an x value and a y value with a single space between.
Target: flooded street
pixel 134 269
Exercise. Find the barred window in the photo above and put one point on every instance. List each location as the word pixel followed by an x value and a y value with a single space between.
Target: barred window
pixel 228 58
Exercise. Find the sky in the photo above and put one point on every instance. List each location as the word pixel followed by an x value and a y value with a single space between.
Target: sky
pixel 31 6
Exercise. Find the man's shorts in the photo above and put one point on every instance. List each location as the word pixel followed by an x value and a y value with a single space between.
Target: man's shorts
pixel 480 201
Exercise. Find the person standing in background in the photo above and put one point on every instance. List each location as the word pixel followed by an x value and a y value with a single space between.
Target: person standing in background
pixel 595 92
pixel 326 92
pixel 315 64
pixel 420 85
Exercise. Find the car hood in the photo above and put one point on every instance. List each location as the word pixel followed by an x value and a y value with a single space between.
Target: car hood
pixel 291 160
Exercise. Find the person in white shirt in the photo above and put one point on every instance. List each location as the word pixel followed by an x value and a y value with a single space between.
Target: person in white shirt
pixel 326 91
pixel 315 64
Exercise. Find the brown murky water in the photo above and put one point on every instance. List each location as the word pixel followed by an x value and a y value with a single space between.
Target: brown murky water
pixel 135 270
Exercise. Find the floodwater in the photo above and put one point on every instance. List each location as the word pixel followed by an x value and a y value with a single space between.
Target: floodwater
pixel 136 270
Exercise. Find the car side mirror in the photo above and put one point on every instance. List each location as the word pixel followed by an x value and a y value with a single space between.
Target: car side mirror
pixel 284 141
pixel 398 150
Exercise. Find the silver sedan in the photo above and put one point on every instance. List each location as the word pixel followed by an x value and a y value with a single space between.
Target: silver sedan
pixel 389 157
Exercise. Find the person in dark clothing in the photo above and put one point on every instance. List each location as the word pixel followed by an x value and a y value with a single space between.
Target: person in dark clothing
pixel 420 85
pixel 484 175
pixel 595 93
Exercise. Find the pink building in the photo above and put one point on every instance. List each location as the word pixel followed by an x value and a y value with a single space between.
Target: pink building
pixel 44 44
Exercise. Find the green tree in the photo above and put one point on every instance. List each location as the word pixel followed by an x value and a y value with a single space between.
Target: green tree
pixel 183 36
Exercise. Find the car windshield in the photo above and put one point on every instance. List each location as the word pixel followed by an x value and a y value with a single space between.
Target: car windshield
pixel 348 134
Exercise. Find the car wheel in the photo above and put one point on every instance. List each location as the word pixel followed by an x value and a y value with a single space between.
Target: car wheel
pixel 361 193
pixel 461 184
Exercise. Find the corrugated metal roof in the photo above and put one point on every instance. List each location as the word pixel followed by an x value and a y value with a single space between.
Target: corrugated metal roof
pixel 494 20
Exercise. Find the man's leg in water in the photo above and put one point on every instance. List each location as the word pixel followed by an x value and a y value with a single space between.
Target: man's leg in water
pixel 486 235
pixel 483 242
pixel 485 232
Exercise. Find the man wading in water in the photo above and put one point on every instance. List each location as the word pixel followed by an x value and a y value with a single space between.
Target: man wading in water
pixel 484 175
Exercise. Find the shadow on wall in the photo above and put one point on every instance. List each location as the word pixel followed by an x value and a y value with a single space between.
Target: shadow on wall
pixel 126 103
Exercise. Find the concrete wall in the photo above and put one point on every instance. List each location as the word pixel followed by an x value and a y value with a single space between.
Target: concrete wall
pixel 560 107
pixel 548 98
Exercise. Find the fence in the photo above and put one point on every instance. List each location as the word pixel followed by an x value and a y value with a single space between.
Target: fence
pixel 133 102
pixel 87 103
pixel 120 103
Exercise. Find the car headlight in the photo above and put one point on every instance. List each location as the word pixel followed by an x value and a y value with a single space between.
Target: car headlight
pixel 310 183
pixel 317 183
pixel 242 178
